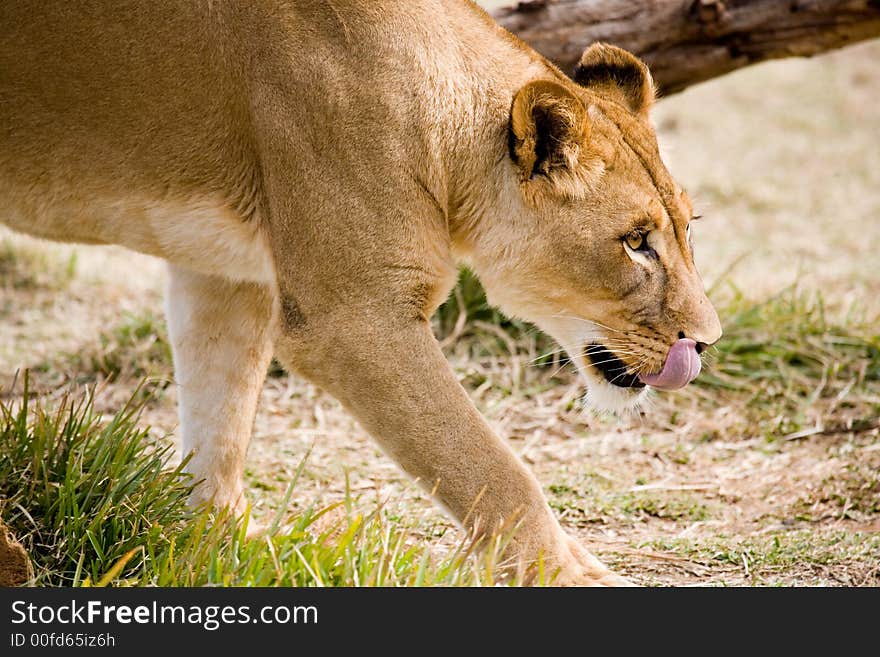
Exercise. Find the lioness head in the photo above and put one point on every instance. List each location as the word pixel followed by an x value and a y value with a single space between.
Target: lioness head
pixel 602 256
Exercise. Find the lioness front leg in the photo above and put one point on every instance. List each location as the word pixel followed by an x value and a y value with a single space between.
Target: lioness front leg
pixel 390 374
pixel 220 334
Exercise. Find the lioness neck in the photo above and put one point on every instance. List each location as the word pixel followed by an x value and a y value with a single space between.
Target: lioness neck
pixel 425 85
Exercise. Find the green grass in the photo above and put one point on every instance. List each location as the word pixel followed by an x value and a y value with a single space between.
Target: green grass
pixel 796 365
pixel 669 506
pixel 798 555
pixel 136 347
pixel 26 268
pixel 469 298
pixel 593 503
pixel 80 493
pixel 98 502
pixel 791 337
pixel 467 318
pixel 852 492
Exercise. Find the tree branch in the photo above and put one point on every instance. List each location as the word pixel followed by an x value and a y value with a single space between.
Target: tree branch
pixel 688 41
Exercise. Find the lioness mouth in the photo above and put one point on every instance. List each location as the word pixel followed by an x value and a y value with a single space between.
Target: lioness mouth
pixel 613 369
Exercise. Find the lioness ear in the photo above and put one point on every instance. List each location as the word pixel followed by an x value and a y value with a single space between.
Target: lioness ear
pixel 615 73
pixel 548 127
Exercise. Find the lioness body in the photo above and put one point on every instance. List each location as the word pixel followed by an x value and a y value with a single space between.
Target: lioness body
pixel 314 172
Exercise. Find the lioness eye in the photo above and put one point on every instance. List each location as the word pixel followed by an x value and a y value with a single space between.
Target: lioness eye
pixel 635 241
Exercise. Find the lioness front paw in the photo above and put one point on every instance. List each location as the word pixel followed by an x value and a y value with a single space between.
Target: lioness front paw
pixel 578 567
pixel 234 505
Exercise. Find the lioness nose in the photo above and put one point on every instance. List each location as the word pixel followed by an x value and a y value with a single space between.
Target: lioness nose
pixel 701 346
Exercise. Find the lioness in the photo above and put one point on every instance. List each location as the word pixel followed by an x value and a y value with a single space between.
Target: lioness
pixel 315 172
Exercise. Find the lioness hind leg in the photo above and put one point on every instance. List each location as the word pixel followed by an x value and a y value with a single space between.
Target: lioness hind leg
pixel 221 337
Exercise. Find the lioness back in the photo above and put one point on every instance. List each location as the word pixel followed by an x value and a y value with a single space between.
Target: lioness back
pixel 154 132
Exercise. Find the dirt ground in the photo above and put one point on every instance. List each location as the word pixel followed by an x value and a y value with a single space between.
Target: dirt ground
pixel 784 164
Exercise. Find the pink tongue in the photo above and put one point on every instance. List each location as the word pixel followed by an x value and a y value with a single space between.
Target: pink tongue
pixel 681 367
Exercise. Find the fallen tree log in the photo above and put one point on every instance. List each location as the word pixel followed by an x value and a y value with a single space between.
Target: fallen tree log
pixel 689 41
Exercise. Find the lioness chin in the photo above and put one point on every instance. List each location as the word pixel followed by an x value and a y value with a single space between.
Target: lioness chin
pixel 315 173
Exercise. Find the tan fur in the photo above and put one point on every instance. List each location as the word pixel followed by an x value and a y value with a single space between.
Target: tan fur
pixel 315 172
